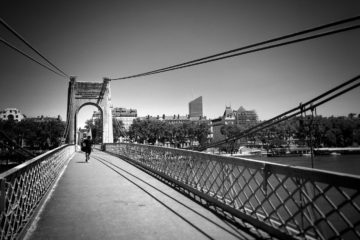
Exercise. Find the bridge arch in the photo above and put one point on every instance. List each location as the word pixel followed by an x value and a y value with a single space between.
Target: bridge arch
pixel 76 117
pixel 97 94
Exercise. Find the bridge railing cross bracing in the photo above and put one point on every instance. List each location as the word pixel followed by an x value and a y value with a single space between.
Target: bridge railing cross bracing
pixel 23 187
pixel 286 202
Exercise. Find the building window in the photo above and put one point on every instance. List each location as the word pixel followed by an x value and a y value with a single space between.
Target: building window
pixel 17 116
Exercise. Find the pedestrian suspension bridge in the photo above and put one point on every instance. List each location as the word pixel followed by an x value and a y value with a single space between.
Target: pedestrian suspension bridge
pixel 136 191
pixel 148 192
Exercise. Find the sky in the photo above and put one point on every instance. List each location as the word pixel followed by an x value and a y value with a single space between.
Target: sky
pixel 96 39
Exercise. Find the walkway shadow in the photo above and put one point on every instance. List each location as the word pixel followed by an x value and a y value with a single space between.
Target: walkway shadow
pixel 237 225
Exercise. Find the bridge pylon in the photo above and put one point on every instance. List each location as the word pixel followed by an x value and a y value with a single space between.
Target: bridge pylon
pixel 97 94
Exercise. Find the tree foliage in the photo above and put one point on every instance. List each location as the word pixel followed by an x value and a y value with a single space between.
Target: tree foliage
pixel 325 132
pixel 322 131
pixel 36 134
pixel 153 131
pixel 118 129
pixel 97 129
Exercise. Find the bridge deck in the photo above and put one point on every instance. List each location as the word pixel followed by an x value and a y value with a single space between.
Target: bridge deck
pixel 108 198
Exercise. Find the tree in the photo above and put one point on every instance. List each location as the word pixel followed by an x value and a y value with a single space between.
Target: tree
pixel 175 134
pixel 37 134
pixel 96 129
pixel 153 130
pixel 118 129
pixel 324 132
pixel 202 131
pixel 138 130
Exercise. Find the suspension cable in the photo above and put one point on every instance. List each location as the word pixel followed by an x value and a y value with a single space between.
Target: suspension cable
pixel 67 126
pixel 29 57
pixel 66 131
pixel 212 57
pixel 257 49
pixel 29 45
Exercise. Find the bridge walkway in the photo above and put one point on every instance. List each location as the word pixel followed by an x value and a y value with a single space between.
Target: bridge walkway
pixel 108 198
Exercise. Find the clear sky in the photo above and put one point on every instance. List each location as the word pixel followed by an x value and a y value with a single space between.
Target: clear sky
pixel 96 39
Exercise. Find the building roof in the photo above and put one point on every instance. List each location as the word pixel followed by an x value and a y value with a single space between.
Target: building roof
pixel 241 109
pixel 228 111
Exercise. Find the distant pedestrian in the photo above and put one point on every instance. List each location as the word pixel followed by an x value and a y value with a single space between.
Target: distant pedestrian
pixel 87 147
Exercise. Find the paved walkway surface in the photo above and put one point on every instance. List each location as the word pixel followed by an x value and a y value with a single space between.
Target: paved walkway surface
pixel 107 198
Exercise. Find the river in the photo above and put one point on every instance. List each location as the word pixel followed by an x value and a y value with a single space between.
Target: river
pixel 348 163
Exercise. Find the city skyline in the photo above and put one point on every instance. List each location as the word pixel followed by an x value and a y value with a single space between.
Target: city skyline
pixel 97 40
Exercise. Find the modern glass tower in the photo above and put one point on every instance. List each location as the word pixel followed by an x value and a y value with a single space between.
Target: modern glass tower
pixel 195 107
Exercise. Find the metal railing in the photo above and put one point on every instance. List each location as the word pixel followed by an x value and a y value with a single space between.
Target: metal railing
pixel 286 202
pixel 23 187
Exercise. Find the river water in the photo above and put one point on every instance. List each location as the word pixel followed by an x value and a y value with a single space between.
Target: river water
pixel 349 163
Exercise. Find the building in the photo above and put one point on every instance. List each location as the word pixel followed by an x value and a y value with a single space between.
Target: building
pixel 229 116
pixel 215 129
pixel 125 115
pixel 11 114
pixel 246 117
pixel 174 119
pixel 96 115
pixel 240 117
pixel 196 108
pixel 195 114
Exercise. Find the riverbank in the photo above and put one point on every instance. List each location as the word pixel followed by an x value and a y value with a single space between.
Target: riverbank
pixel 4 165
pixel 346 150
pixel 346 163
pixel 295 151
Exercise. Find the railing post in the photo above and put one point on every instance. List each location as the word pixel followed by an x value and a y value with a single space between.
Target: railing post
pixel 2 195
pixel 310 190
pixel 265 174
pixel 233 191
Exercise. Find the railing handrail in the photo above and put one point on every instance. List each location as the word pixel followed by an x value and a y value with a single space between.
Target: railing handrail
pixel 23 187
pixel 31 161
pixel 336 178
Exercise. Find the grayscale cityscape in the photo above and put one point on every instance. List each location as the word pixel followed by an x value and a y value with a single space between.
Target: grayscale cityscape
pixel 180 119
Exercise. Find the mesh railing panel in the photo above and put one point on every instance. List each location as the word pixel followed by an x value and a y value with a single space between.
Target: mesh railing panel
pixel 23 187
pixel 298 202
